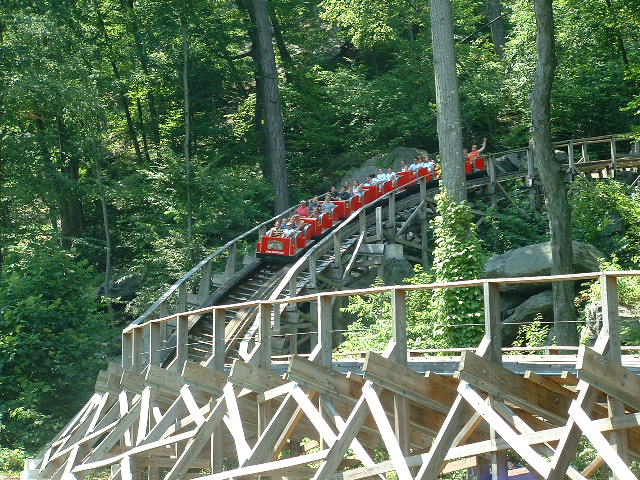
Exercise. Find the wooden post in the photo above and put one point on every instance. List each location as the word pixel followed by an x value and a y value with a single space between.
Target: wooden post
pixel 182 297
pixel 137 353
pixel 611 324
pixel 325 341
pixel 325 320
pixel 182 342
pixel 585 154
pixel 499 468
pixel 155 343
pixel 423 189
pixel 230 268
pixel 265 309
pixel 362 219
pixel 491 170
pixel 399 337
pixel 218 346
pixel 392 213
pixel 379 237
pixel 313 267
pixel 205 281
pixel 127 347
pixel 265 335
pixel 337 254
pixel 162 313
pixel 613 156
pixel 572 162
pixel 217 363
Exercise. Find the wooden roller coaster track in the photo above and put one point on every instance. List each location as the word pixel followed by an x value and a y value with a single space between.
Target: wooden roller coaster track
pixel 200 395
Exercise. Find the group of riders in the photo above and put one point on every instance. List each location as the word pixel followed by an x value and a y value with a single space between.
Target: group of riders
pixel 287 227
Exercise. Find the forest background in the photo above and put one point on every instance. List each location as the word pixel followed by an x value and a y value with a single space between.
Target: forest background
pixel 93 95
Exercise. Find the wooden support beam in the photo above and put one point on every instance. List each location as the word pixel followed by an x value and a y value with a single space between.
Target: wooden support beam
pixel 182 342
pixel 409 221
pixel 265 335
pixel 325 326
pixel 497 380
pixel 399 337
pixel 610 377
pixel 203 378
pixel 155 344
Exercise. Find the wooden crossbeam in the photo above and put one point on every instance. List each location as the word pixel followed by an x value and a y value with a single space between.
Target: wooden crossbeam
pixel 520 391
pixel 432 390
pixel 609 377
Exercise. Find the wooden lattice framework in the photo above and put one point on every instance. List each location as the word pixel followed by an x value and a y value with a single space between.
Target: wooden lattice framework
pixel 206 422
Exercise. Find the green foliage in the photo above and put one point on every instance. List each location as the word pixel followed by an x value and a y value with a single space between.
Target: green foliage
pixel 435 318
pixel 457 255
pixel 11 459
pixel 52 341
pixel 512 225
pixel 532 334
pixel 615 229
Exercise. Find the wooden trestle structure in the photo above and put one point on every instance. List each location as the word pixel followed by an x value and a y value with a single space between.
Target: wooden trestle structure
pixel 211 421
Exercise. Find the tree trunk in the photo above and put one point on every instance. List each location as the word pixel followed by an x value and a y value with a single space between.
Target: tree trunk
pixel 498 33
pixel 107 235
pixel 447 100
pixel 142 57
pixel 122 94
pixel 619 40
pixel 145 145
pixel 287 60
pixel 552 176
pixel 49 172
pixel 187 131
pixel 273 123
pixel 71 216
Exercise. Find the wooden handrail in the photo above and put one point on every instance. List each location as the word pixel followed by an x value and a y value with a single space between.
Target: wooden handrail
pixel 389 289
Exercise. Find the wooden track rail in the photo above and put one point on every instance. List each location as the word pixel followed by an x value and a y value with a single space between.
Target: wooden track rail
pixel 318 422
pixel 324 416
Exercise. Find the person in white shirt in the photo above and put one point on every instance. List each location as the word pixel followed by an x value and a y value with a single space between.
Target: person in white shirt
pixel 391 175
pixel 289 229
pixel 356 188
pixel 431 165
pixel 414 166
pixel 369 181
pixel 327 206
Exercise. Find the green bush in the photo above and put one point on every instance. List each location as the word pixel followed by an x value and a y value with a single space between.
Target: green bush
pixel 615 229
pixel 53 339
pixel 11 460
pixel 435 318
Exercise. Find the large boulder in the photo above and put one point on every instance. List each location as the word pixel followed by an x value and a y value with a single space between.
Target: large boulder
pixel 538 304
pixel 390 160
pixel 535 260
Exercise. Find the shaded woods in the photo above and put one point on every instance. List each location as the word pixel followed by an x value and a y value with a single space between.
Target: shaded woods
pixel 137 135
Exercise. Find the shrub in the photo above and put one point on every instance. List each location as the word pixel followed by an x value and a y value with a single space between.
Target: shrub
pixel 52 341
pixel 11 460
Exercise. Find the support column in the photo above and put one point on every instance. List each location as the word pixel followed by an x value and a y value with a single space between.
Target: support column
pixel 611 324
pixel 499 468
pixel 182 342
pixel 399 337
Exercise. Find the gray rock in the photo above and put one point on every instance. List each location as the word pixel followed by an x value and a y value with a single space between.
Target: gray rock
pixel 395 270
pixel 535 260
pixel 541 303
pixel 390 160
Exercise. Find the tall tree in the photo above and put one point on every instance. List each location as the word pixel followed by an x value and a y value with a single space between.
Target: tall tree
pixel 447 100
pixel 498 31
pixel 273 124
pixel 184 32
pixel 552 176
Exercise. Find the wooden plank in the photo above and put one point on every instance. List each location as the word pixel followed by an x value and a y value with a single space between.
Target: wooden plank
pixel 546 382
pixel 197 441
pixel 618 466
pixel 409 221
pixel 566 450
pixel 192 406
pixel 352 260
pixel 399 337
pixel 321 379
pixel 455 418
pixel 433 391
pixel 396 453
pixel 254 378
pixel 235 424
pixel 203 378
pixel 325 324
pixel 266 468
pixel 539 463
pixel 609 377
pixel 497 380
